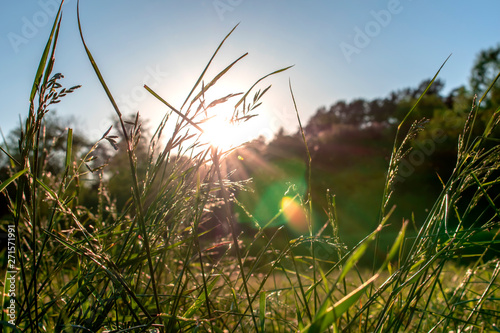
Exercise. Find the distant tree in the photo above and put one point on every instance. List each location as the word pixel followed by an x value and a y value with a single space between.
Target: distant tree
pixel 435 89
pixel 381 111
pixel 354 113
pixel 483 73
pixel 338 111
pixel 322 120
pixel 357 112
pixel 53 142
pixel 486 68
pixel 407 98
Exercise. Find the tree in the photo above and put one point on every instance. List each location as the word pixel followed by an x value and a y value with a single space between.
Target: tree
pixel 53 142
pixel 486 68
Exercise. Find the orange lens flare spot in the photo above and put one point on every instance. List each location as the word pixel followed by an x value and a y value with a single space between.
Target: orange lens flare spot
pixel 294 214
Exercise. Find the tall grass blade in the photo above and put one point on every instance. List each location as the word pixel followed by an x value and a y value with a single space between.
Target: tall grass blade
pixel 229 218
pixel 200 300
pixel 200 78
pixel 45 54
pixel 257 82
pixel 396 247
pixel 361 249
pixel 216 78
pixel 69 148
pixel 423 93
pixel 179 113
pixel 95 67
pixel 333 313
pixel 262 311
pixel 135 182
pixel 6 183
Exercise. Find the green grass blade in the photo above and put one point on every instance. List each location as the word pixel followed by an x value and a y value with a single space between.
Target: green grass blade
pixel 422 270
pixel 262 311
pixel 13 161
pixel 489 88
pixel 11 179
pixel 353 259
pixel 482 298
pixel 94 65
pixel 173 109
pixel 200 78
pixel 321 323
pixel 135 182
pixel 216 78
pixel 229 218
pixel 423 94
pixel 262 78
pixel 47 189
pixel 361 249
pixel 45 54
pixel 69 148
pixel 51 59
pixel 486 195
pixel 396 246
pixel 200 300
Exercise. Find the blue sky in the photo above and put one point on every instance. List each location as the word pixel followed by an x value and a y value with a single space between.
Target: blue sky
pixel 341 50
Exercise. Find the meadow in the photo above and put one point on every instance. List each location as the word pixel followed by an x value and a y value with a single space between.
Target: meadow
pixel 159 263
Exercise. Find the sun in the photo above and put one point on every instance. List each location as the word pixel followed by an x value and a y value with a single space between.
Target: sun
pixel 222 133
pixel 217 132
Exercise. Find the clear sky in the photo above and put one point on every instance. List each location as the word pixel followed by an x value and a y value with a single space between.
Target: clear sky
pixel 341 50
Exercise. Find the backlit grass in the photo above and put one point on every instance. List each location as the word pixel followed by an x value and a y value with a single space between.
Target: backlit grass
pixel 161 264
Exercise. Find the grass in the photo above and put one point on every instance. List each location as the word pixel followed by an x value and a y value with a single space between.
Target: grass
pixel 154 265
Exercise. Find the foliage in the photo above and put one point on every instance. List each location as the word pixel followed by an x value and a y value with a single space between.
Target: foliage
pixel 168 255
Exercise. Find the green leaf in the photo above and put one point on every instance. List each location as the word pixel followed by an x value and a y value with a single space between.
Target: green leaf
pixel 486 195
pixel 207 66
pixel 69 148
pixel 396 246
pixel 48 189
pixel 262 311
pixel 423 94
pixel 353 260
pixel 262 78
pixel 333 313
pixel 43 60
pixel 11 179
pixel 173 109
pixel 422 270
pixel 94 64
pixel 200 300
pixel 363 246
pixel 216 78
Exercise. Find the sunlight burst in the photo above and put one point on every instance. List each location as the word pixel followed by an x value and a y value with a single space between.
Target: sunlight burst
pixel 221 133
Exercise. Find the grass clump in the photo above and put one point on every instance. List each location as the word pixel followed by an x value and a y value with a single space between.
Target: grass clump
pixel 153 264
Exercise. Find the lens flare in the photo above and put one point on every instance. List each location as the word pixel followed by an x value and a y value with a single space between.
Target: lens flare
pixel 294 214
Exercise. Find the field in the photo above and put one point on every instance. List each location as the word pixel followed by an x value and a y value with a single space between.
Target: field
pixel 171 255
